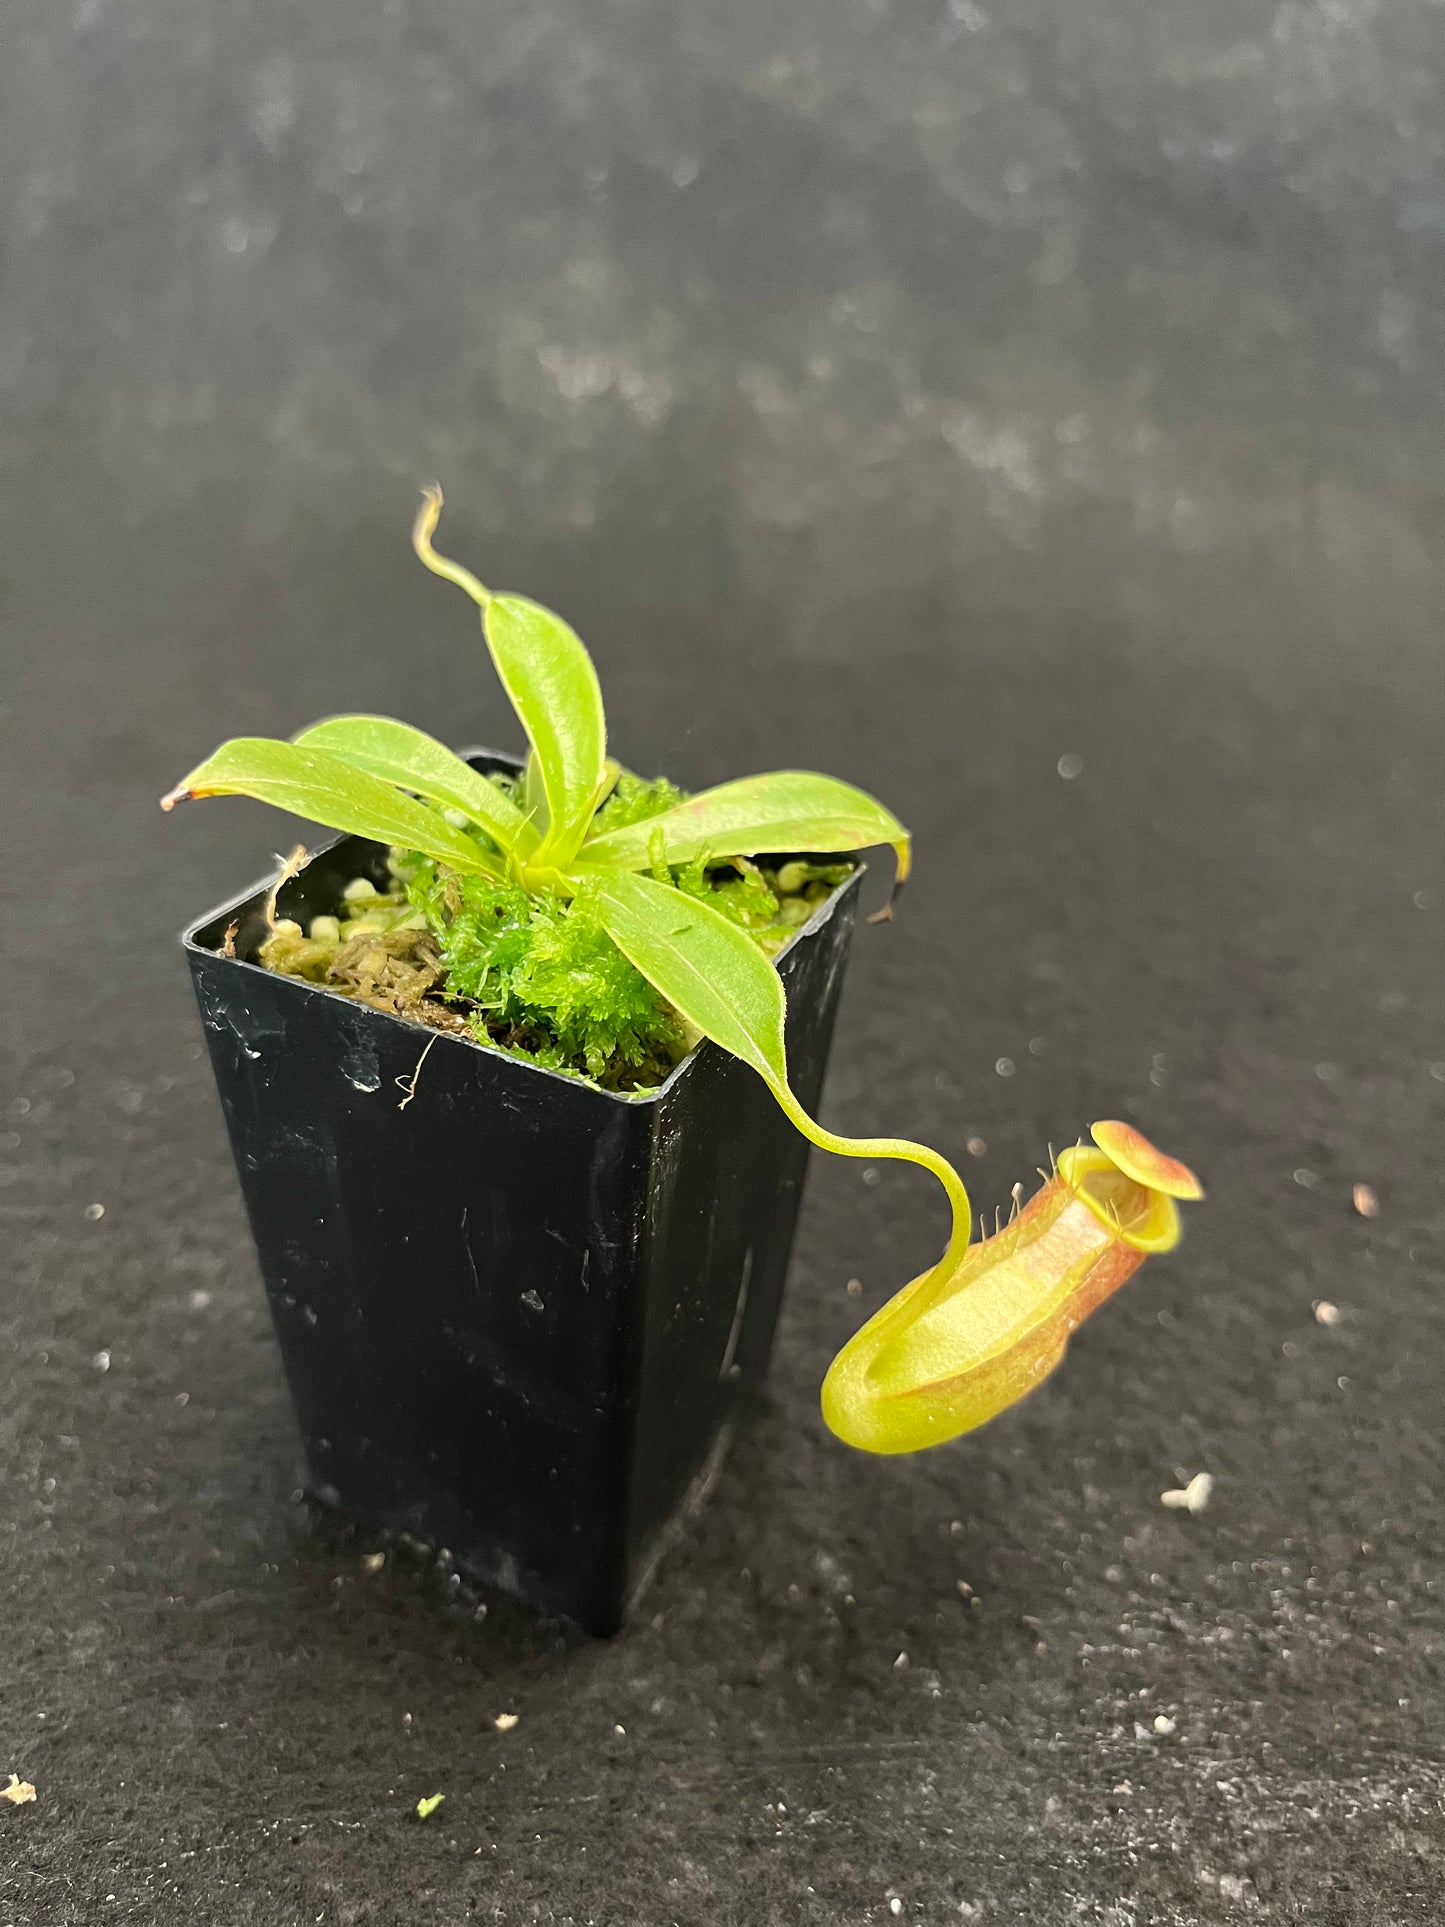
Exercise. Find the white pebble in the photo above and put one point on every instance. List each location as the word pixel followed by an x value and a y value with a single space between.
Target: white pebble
pixel 1193 1497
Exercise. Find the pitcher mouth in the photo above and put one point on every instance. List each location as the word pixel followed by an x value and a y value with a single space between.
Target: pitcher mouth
pixel 1138 1215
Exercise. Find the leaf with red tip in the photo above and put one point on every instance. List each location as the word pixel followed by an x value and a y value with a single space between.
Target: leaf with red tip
pixel 314 784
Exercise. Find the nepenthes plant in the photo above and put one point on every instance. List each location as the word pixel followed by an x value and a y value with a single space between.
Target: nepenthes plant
pixel 582 889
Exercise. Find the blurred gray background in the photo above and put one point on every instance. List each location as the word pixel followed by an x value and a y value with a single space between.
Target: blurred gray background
pixel 862 318
pixel 929 392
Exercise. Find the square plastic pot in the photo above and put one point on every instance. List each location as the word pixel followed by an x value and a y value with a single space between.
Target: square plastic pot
pixel 517 1313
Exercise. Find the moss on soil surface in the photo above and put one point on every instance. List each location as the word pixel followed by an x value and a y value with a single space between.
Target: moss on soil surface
pixel 535 975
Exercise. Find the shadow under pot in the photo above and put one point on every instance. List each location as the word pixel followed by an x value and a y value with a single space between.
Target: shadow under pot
pixel 517 1312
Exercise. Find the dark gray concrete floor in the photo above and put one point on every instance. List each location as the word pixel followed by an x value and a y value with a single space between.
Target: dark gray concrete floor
pixel 922 392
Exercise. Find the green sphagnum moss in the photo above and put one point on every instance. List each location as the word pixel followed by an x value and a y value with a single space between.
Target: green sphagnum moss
pixel 532 972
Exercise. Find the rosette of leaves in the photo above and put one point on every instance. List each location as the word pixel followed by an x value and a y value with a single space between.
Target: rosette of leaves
pixel 552 839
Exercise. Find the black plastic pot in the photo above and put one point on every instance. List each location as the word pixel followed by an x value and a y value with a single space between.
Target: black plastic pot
pixel 516 1312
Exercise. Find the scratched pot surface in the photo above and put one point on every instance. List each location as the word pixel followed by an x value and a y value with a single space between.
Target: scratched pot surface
pixel 941 396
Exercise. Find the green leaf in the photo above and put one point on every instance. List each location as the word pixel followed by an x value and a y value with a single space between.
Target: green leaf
pixel 705 965
pixel 427 1805
pixel 549 676
pixel 314 784
pixel 537 815
pixel 789 810
pixel 415 761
